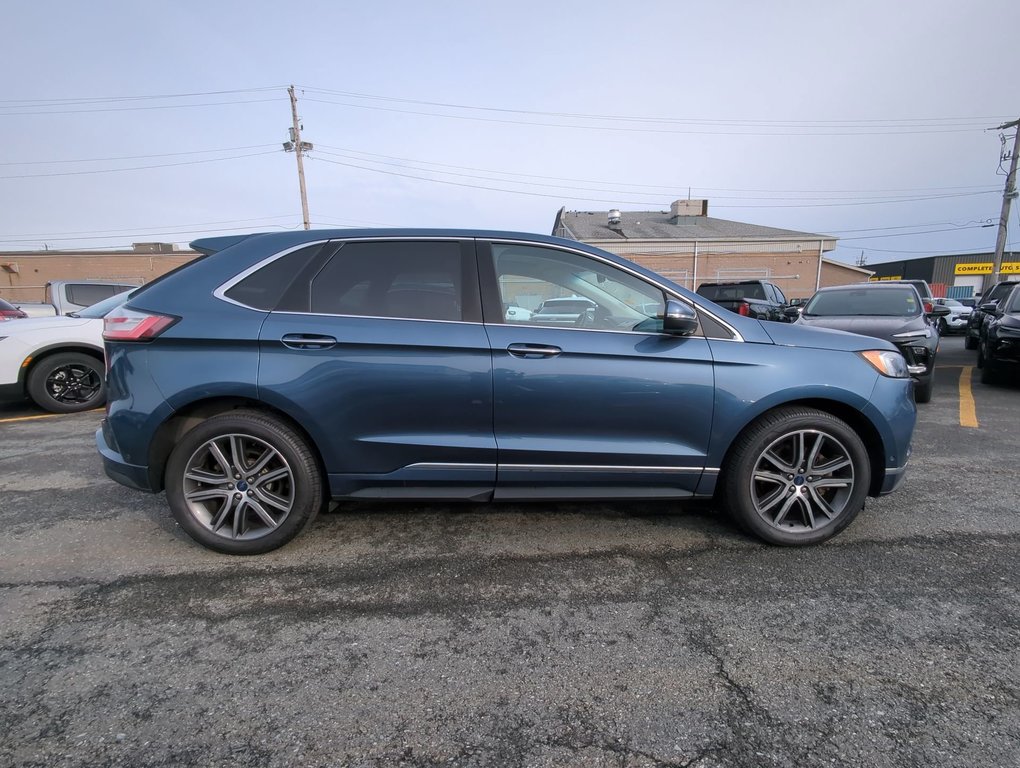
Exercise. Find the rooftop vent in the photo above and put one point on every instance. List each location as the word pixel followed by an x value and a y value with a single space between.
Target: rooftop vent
pixel 615 219
pixel 153 247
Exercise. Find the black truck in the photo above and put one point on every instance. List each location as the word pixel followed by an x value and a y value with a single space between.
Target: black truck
pixel 759 299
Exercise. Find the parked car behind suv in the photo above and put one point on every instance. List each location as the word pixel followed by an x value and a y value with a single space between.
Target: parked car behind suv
pixel 978 320
pixel 751 298
pixel 999 353
pixel 284 369
pixel 956 320
pixel 56 361
pixel 10 312
pixel 892 312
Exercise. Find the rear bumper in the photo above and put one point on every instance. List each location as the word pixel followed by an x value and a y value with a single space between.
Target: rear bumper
pixel 131 475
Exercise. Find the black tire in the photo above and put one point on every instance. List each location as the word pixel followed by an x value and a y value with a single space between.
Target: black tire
pixel 923 388
pixel 981 355
pixel 68 382
pixel 943 327
pixel 969 342
pixel 744 493
pixel 223 507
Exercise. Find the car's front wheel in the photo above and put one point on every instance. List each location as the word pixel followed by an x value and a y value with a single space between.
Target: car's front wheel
pixel 969 342
pixel 923 388
pixel 243 483
pixel 796 476
pixel 67 382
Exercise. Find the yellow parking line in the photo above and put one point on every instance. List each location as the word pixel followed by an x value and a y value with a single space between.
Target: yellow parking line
pixel 968 411
pixel 44 416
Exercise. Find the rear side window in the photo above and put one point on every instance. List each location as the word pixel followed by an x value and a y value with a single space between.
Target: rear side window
pixel 87 294
pixel 400 279
pixel 264 288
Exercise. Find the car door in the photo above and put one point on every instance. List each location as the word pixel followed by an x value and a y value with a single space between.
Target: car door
pixel 608 407
pixel 380 350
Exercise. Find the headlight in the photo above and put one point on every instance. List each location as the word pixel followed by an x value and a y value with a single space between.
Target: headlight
pixel 887 363
pixel 923 334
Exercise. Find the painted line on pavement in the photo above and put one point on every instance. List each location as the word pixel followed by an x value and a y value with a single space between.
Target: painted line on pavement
pixel 45 416
pixel 968 410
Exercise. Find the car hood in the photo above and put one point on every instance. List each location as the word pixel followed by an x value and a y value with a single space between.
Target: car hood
pixel 801 334
pixel 31 324
pixel 877 327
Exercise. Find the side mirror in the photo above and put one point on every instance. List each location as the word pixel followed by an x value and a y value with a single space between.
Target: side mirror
pixel 990 306
pixel 793 312
pixel 938 310
pixel 679 319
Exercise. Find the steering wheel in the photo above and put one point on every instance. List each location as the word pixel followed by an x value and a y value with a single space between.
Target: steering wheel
pixel 586 319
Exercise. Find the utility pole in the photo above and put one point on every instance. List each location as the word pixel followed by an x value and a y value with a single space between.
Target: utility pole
pixel 298 147
pixel 1007 197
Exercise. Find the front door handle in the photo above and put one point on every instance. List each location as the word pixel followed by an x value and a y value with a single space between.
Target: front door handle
pixel 533 351
pixel 305 341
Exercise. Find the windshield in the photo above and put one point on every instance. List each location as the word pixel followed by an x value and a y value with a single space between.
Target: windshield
pixel 1014 304
pixel 883 302
pixel 101 308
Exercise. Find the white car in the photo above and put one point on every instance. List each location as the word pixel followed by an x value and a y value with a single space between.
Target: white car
pixel 957 318
pixel 56 361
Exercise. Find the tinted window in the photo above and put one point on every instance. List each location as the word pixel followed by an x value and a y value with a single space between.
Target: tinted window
pixel 412 280
pixel 87 294
pixel 732 292
pixel 1014 304
pixel 886 302
pixel 5 305
pixel 101 308
pixel 568 289
pixel 780 297
pixel 264 288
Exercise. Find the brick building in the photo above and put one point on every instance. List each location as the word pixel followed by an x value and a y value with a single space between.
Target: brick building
pixel 689 247
pixel 24 274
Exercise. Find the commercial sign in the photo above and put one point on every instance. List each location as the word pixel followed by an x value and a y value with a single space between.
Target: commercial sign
pixel 875 278
pixel 985 268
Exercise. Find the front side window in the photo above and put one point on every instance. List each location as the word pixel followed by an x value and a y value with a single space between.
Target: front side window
pixel 543 286
pixel 87 294
pixel 399 279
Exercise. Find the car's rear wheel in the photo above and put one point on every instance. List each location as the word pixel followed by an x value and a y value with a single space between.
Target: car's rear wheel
pixel 243 483
pixel 68 382
pixel 943 326
pixel 796 476
pixel 989 372
pixel 969 342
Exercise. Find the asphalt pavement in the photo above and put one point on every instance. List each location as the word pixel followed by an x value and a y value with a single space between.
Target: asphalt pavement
pixel 593 634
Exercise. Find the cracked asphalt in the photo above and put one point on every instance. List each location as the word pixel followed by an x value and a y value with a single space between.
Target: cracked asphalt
pixel 515 635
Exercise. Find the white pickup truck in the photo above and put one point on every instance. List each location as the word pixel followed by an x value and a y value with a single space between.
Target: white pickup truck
pixel 66 296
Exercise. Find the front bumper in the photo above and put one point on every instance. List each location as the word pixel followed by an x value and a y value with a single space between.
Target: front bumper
pixel 894 477
pixel 131 475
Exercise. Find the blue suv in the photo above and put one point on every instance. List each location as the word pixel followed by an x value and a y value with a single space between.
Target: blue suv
pixel 279 371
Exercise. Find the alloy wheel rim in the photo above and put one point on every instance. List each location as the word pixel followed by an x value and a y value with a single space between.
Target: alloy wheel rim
pixel 239 487
pixel 803 481
pixel 73 384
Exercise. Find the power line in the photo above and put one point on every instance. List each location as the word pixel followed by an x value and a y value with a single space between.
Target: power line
pixel 137 109
pixel 852 123
pixel 864 131
pixel 135 167
pixel 95 99
pixel 135 230
pixel 671 188
pixel 136 157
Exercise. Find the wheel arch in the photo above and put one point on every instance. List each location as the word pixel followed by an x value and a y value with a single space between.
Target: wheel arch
pixel 186 418
pixel 42 353
pixel 857 420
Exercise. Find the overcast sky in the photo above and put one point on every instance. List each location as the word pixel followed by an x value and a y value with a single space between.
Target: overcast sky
pixel 858 119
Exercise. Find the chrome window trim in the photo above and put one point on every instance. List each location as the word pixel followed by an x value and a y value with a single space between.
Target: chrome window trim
pixel 447 465
pixel 668 291
pixel 220 293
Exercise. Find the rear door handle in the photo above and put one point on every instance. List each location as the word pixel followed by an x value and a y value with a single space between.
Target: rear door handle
pixel 305 341
pixel 533 351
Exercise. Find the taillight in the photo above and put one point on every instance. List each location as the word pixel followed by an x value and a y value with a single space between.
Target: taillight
pixel 928 308
pixel 744 309
pixel 131 325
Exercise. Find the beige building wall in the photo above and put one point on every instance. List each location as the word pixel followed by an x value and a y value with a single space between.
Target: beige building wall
pixel 23 276
pixel 793 266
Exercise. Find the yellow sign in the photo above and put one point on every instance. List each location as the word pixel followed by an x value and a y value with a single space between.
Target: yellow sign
pixel 985 268
pixel 875 279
